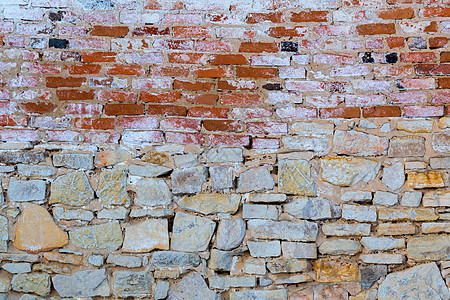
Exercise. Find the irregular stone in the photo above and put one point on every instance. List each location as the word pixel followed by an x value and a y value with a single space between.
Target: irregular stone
pixel 188 180
pixel 96 260
pixel 426 248
pixel 426 180
pixel 150 170
pixel 220 260
pixel 146 236
pixel 359 143
pixel 167 273
pixel 24 157
pixel 17 268
pixel 415 126
pixel 359 213
pixel 156 157
pixel 36 283
pixel 119 213
pixel 419 282
pixel 382 243
pixel 282 265
pixel 4 236
pixel 335 292
pixel 132 284
pixel 74 160
pixel 309 208
pixel 102 236
pixel 293 279
pixel 126 261
pixel 292 231
pixel 407 214
pixel 222 177
pixel 411 199
pixel 371 274
pixel 340 247
pixel 364 123
pixel 186 160
pixel 441 142
pixel 112 157
pixel 434 227
pixel 36 231
pixel 385 198
pixel 30 190
pixel 224 155
pixel 440 162
pixel 71 189
pixel 230 234
pixel 5 286
pixel 51 269
pixel 346 171
pixel 64 258
pixel 20 257
pixel 299 250
pixel 89 283
pixel 356 196
pixel 192 286
pixel 329 270
pixel 152 192
pixel 72 214
pixel 264 249
pixel 255 266
pixel 444 122
pixel 162 289
pixel 36 170
pixel 265 282
pixel 225 282
pixel 294 177
pixel 256 179
pixel 312 129
pixel 396 228
pixel 211 203
pixel 382 258
pixel 112 187
pixel 259 294
pixel 174 259
pixel 153 213
pixel 258 211
pixel 339 229
pixel 267 198
pixel 394 176
pixel 436 198
pixel 406 146
pixel 191 233
pixel 306 143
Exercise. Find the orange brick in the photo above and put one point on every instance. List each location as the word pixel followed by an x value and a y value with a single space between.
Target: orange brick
pixel 340 112
pixel 375 29
pixel 99 57
pixel 125 70
pixel 274 17
pixel 228 59
pixel 310 16
pixel 396 13
pixel 124 109
pixel 166 110
pixel 55 82
pixel 256 72
pixel 168 97
pixel 114 31
pixel 75 95
pixel 193 86
pixel 259 47
pixel 84 69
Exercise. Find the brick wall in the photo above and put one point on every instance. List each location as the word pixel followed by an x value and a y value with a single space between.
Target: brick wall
pixel 251 149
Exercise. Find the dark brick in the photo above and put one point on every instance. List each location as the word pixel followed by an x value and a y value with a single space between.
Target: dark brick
pixel 289 46
pixel 272 86
pixel 391 58
pixel 58 43
pixel 367 58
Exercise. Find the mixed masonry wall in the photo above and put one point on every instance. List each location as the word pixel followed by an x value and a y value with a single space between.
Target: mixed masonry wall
pixel 251 149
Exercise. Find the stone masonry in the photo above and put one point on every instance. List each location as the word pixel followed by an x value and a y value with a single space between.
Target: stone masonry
pixel 225 149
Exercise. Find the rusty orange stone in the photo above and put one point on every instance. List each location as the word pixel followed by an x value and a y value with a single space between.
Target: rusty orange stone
pixel 425 180
pixel 329 270
pixel 36 231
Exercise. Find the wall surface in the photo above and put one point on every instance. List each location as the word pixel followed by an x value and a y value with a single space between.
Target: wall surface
pixel 235 149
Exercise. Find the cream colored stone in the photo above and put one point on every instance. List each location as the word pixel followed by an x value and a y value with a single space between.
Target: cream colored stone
pixel 436 198
pixel 426 180
pixel 346 171
pixel 71 189
pixel 294 177
pixel 329 270
pixel 112 187
pixel 407 214
pixel 146 236
pixel 211 203
pixel 102 236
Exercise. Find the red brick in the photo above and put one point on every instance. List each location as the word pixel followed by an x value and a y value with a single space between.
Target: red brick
pixel 213 46
pixel 396 13
pixel 203 99
pixel 213 72
pixel 191 32
pixel 193 86
pixel 436 12
pixel 282 31
pixel 393 71
pixel 438 42
pixel 222 125
pixel 240 99
pixel 84 69
pixel 41 68
pixel 168 97
pixel 83 109
pixel 113 31
pixel 55 82
pixel 137 122
pixel 63 136
pixel 229 140
pixel 185 138
pixel 441 97
pixel 169 71
pixel 181 124
pixel 395 42
pixel 423 111
pixel 296 112
pixel 444 83
pixel 99 57
pixel 266 127
pixel 409 97
pixel 167 110
pixel 187 58
pixel 124 109
pixel 117 96
pixel 22 135
pixel 381 112
pixel 255 72
pixel 375 29
pixel 96 124
pixel 274 17
pixel 417 83
pixel 12 120
pixel 265 143
pixel 340 112
pixel 307 86
pixel 38 107
pixel 208 112
pixel 433 69
pixel 125 70
pixel 250 113
pixel 445 56
pixel 228 59
pixel 174 45
pixel 162 4
pixel 150 30
pixel 259 47
pixel 75 95
pixel 418 57
pixel 101 137
pixel 138 137
pixel 310 16
pixel 237 85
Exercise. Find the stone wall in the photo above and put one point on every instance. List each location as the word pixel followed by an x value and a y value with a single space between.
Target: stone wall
pixel 235 149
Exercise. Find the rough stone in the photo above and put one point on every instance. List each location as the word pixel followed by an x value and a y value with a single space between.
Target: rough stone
pixel 440 162
pixel 255 266
pixel 192 287
pixel 225 282
pixel 119 213
pixel 436 198
pixel 71 189
pixel 382 243
pixel 230 234
pixel 371 274
pixel 161 289
pixel 5 286
pixel 126 261
pixel 267 198
pixel 224 155
pixel 188 180
pixel 306 143
pixel 222 177
pixel 396 228
pixel 359 213
pixel 356 196
pixel 156 157
pixel 359 143
pixel 174 259
pixel 394 176
pixel 36 170
pixel 186 160
pixel 346 171
pixel 112 157
pixel 211 203
pixel 406 146
pixel 382 258
pixel 36 283
pixel 24 157
pixel 339 229
pixel 283 265
pixel 435 227
pixel 102 236
pixel 292 231
pixel 112 187
pixel 441 142
pixel 411 199
pixel 89 283
pixel 256 179
pixel 312 129
pixel 309 208
pixel 96 260
pixel 64 258
pixel 30 190
pixel 149 170
pixel 264 249
pixel 258 211
pixel 132 284
pixel 74 160
pixel 294 177
pixel 415 126
pixel 427 248
pixel 299 250
pixel 293 279
pixel 72 214
pixel 146 236
pixel 330 270
pixel 4 236
pixel 17 268
pixel 259 294
pixel 425 180
pixel 220 260
pixel 191 233
pixel 152 192
pixel 385 198
pixel 36 231
pixel 340 247
pixel 407 214
pixel 419 282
